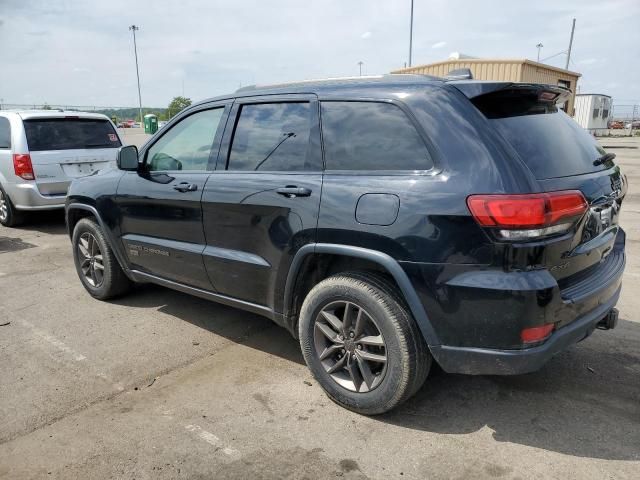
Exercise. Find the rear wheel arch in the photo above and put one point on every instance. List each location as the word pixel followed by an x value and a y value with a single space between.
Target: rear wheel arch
pixel 315 262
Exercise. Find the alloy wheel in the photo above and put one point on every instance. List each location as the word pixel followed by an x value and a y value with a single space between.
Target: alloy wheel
pixel 4 207
pixel 91 261
pixel 350 346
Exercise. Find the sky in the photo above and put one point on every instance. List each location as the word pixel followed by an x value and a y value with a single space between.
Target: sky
pixel 75 52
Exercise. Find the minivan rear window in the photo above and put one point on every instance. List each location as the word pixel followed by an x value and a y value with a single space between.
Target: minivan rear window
pixel 69 134
pixel 549 142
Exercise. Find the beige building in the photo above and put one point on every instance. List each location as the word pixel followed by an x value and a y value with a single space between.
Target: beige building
pixel 505 70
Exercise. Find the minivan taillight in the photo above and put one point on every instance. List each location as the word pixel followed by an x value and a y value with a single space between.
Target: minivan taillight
pixel 528 216
pixel 22 166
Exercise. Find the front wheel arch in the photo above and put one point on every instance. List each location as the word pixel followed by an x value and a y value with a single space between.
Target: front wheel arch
pixel 74 212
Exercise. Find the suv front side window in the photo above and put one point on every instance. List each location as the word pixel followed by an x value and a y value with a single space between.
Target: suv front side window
pixel 271 137
pixel 187 145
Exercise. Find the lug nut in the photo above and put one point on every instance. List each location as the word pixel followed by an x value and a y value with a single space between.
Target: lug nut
pixel 351 334
pixel 359 347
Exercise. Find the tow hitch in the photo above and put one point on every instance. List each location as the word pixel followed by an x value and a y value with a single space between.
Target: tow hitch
pixel 609 321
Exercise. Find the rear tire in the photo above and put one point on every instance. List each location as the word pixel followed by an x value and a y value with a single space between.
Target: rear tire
pixel 9 216
pixel 97 267
pixel 351 368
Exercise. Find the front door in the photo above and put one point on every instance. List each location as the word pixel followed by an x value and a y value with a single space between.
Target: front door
pixel 261 204
pixel 160 211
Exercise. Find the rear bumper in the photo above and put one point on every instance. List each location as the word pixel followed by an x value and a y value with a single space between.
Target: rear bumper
pixel 25 196
pixel 484 361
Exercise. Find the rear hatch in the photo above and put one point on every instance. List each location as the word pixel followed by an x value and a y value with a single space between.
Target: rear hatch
pixel 64 148
pixel 562 157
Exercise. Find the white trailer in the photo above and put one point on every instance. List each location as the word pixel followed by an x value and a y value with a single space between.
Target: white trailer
pixel 593 111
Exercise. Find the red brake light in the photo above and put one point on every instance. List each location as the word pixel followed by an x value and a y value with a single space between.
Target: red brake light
pixel 22 166
pixel 536 334
pixel 527 211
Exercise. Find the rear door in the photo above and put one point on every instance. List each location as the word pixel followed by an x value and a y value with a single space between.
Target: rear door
pixel 561 155
pixel 65 148
pixel 160 212
pixel 261 204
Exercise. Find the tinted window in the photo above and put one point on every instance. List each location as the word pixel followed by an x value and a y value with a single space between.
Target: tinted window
pixel 271 136
pixel 371 136
pixel 187 145
pixel 552 144
pixel 69 134
pixel 5 133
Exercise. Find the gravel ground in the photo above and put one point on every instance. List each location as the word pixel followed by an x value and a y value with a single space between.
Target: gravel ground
pixel 162 385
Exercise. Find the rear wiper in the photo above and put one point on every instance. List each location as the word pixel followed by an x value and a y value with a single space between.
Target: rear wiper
pixel 604 158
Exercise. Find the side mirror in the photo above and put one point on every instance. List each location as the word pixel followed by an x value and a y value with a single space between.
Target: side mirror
pixel 128 158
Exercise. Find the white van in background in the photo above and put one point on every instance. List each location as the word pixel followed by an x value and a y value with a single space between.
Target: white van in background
pixel 41 152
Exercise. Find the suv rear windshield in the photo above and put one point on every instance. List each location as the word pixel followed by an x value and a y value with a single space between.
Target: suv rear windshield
pixel 69 134
pixel 549 142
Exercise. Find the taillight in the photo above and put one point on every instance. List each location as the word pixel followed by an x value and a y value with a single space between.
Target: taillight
pixel 22 166
pixel 536 334
pixel 528 216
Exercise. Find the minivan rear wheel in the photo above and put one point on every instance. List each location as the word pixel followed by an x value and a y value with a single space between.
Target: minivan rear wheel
pixel 97 267
pixel 9 216
pixel 361 343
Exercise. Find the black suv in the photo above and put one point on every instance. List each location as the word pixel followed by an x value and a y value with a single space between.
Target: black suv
pixel 387 222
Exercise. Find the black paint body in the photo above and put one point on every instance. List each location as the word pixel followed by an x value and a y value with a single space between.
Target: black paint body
pixel 237 240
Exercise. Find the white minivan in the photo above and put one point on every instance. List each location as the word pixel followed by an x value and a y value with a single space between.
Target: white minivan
pixel 41 152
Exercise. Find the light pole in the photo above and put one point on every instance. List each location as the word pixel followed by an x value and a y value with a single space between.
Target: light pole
pixel 411 33
pixel 133 28
pixel 539 47
pixel 360 67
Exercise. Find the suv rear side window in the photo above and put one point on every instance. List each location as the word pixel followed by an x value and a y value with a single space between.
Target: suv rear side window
pixel 69 134
pixel 371 136
pixel 272 137
pixel 5 133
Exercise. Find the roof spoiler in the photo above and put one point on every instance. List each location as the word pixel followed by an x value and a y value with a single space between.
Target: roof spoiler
pixel 546 93
pixel 460 74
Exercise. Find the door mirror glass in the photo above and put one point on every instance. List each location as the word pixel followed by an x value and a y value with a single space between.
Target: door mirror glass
pixel 128 158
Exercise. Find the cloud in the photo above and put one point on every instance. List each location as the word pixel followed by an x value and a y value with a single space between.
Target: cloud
pixel 365 35
pixel 587 61
pixel 81 69
pixel 438 45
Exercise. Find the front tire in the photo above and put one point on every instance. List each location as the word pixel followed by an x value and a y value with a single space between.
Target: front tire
pixel 361 343
pixel 95 262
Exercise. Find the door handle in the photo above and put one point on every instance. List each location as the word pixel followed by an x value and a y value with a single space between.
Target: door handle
pixel 186 187
pixel 292 191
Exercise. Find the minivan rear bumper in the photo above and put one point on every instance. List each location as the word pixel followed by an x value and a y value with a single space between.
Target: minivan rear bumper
pixel 485 361
pixel 25 196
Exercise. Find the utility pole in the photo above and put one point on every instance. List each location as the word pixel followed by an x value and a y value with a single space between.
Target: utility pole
pixel 411 33
pixel 360 67
pixel 573 27
pixel 133 28
pixel 539 47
